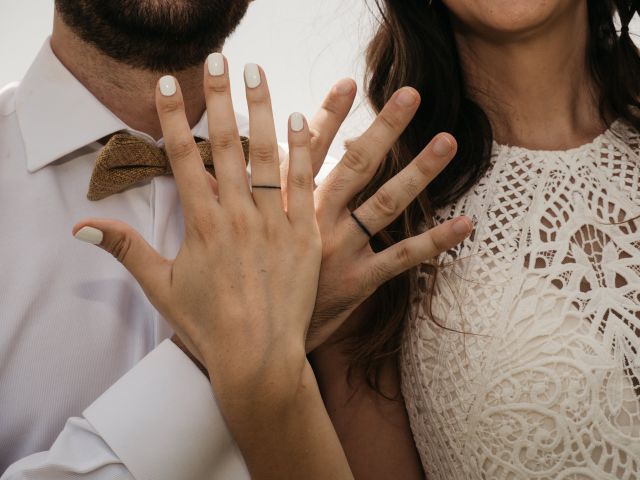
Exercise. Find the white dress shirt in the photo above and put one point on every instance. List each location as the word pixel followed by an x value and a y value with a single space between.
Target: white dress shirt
pixel 72 319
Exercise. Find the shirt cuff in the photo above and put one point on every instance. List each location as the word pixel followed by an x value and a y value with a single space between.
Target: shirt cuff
pixel 161 419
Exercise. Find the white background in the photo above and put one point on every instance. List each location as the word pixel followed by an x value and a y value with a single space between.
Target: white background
pixel 304 46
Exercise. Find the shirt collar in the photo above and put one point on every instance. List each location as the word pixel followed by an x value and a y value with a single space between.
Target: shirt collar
pixel 58 115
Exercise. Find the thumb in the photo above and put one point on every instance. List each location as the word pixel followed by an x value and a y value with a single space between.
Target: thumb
pixel 146 265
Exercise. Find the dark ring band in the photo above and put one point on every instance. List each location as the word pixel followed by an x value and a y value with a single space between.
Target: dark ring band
pixel 362 226
pixel 267 187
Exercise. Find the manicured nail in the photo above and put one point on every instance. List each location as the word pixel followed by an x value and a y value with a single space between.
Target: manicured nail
pixel 168 86
pixel 442 146
pixel 344 86
pixel 215 64
pixel 297 122
pixel 252 75
pixel 462 226
pixel 90 235
pixel 406 98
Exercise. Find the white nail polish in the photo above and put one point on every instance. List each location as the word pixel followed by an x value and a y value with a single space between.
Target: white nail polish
pixel 215 63
pixel 297 122
pixel 90 235
pixel 168 86
pixel 252 75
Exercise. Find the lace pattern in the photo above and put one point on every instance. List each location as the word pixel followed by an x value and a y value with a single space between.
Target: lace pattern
pixel 545 383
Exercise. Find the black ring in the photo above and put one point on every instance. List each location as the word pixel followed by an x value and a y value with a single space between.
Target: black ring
pixel 362 226
pixel 268 187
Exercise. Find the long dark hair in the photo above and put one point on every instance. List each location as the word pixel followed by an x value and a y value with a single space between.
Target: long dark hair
pixel 415 46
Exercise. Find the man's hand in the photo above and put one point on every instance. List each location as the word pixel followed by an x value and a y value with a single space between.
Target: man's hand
pixel 350 270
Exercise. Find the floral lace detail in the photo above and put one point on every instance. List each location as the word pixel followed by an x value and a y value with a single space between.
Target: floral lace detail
pixel 545 381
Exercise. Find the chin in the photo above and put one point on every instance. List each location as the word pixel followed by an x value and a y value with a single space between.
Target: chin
pixel 508 17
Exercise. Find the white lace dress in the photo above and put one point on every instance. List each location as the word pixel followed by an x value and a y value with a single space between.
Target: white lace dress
pixel 545 384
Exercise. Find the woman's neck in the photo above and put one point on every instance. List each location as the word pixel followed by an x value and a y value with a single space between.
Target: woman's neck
pixel 536 89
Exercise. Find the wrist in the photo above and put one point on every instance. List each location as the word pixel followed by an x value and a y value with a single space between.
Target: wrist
pixel 263 404
pixel 180 344
pixel 275 372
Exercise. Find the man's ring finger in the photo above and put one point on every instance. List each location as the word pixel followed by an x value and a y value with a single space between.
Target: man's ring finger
pixel 362 226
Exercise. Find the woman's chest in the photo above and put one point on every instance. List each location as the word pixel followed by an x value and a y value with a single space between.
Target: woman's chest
pixel 538 364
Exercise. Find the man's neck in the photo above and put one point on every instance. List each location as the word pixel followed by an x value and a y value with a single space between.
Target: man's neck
pixel 126 91
pixel 536 90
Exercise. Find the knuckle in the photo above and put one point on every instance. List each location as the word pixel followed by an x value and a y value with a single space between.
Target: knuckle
pixel 403 256
pixel 301 181
pixel 300 141
pixel 389 121
pixel 355 159
pixel 317 140
pixel 181 149
pixel 434 243
pixel 259 97
pixel 242 225
pixel 223 141
pixel 217 85
pixel 412 187
pixel 385 203
pixel 200 227
pixel 332 185
pixel 172 106
pixel 424 166
pixel 263 153
pixel 120 246
pixel 331 107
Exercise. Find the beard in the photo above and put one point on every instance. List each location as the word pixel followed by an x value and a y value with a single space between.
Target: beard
pixel 155 35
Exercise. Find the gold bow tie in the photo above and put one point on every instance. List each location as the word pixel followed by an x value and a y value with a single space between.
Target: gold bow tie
pixel 127 160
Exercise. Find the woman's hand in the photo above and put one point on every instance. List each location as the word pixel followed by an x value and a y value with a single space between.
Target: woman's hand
pixel 241 291
pixel 242 288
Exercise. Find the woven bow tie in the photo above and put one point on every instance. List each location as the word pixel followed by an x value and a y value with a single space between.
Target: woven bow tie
pixel 127 160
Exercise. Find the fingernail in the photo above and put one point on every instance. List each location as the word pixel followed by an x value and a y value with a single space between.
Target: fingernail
pixel 462 226
pixel 90 235
pixel 297 122
pixel 252 75
pixel 215 64
pixel 168 86
pixel 344 86
pixel 406 98
pixel 442 146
